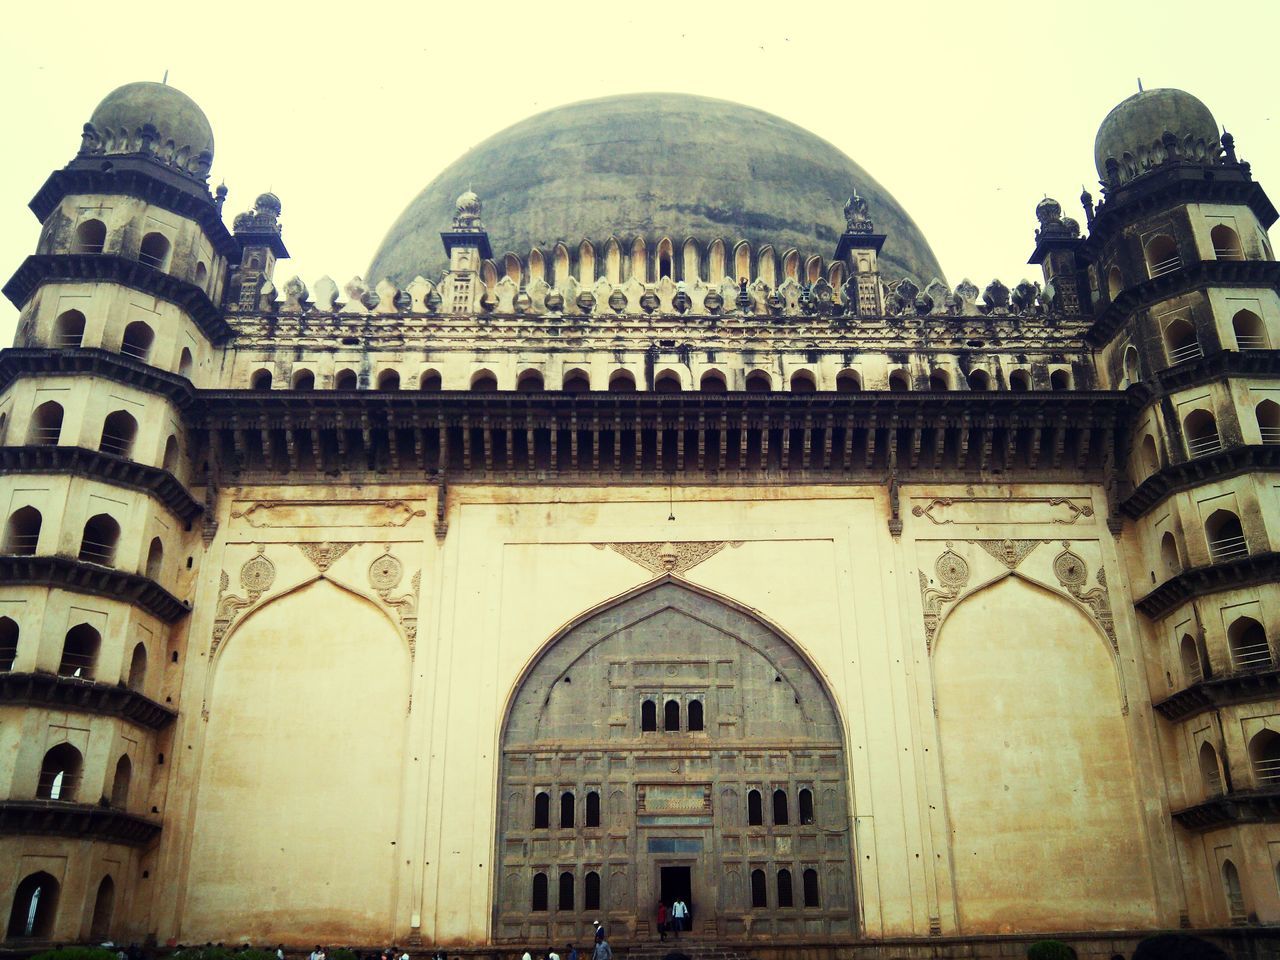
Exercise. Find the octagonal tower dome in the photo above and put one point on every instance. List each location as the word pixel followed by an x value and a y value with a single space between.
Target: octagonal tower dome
pixel 1135 128
pixel 178 120
pixel 653 165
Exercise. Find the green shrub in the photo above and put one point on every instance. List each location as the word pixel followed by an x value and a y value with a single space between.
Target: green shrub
pixel 343 953
pixel 222 953
pixel 1050 950
pixel 76 953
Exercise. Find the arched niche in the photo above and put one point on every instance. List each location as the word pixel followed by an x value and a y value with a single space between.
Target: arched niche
pixel 1036 767
pixel 582 697
pixel 305 738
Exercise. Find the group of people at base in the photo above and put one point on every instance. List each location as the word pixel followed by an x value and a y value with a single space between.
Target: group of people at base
pixel 673 920
pixel 601 950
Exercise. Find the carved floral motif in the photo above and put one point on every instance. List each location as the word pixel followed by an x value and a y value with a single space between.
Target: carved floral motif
pixel 952 571
pixel 324 555
pixel 668 557
pixel 257 574
pixel 1009 552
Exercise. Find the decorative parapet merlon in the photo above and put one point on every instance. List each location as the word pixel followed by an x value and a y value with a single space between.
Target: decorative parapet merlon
pixel 84 577
pixel 80 821
pixel 84 696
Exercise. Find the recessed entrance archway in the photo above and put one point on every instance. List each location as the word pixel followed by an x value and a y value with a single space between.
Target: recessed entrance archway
pixel 677 816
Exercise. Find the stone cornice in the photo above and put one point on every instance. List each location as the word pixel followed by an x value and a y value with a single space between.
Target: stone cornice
pixel 1198 581
pixel 81 821
pixel 84 696
pixel 37 361
pixel 144 178
pixel 1240 806
pixel 1243 687
pixel 1185 279
pixel 44 268
pixel 1176 477
pixel 1216 365
pixel 83 577
pixel 95 465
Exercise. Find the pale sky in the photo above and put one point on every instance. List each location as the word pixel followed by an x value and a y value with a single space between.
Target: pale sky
pixel 968 113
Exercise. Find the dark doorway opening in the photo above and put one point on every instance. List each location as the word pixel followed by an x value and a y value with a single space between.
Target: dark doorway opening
pixel 677 884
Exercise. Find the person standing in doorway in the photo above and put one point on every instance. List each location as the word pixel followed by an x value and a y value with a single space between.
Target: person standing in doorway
pixel 661 918
pixel 679 912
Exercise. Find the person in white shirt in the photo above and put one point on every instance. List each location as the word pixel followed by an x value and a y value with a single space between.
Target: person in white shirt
pixel 679 912
pixel 552 955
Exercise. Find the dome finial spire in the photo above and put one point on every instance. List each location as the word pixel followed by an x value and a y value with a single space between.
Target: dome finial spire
pixel 1140 85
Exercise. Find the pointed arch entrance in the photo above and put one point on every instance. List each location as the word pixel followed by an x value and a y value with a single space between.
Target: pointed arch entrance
pixel 675 796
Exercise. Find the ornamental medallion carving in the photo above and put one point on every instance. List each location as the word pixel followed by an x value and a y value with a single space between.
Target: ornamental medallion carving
pixel 257 574
pixel 385 574
pixel 952 571
pixel 669 557
pixel 1073 574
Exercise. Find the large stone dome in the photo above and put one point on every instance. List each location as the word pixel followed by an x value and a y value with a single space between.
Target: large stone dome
pixel 175 116
pixel 654 165
pixel 1136 126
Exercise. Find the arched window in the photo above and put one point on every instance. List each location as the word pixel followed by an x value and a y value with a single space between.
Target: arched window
pixel 591 891
pixel 1192 672
pixel 68 330
pixel 759 891
pixel 759 382
pixel 899 382
pixel 1210 775
pixel 1225 536
pixel 539 899
pixel 671 716
pixel 713 382
pixel 118 432
pixel 755 809
pixel 98 544
pixel 79 652
pixel 103 905
pixel 1132 368
pixel 802 382
pixel 648 716
pixel 667 382
pixel 155 559
pixel 781 815
pixel 201 274
pixel 154 251
pixel 430 382
pixel 389 381
pixel 939 381
pixel 22 532
pixel 1264 755
pixel 171 452
pixel 1019 381
pixel 1233 893
pixel 482 381
pixel 542 811
pixel 1181 342
pixel 59 774
pixel 811 888
pixel 1226 244
pixel 303 380
pixel 529 382
pixel 120 783
pixel 806 806
pixel 695 715
pixel 35 904
pixel 784 889
pixel 91 237
pixel 8 643
pixel 593 809
pixel 1201 432
pixel 1169 555
pixel 565 901
pixel 137 340
pixel 567 810
pixel 664 258
pixel 576 381
pixel 1162 255
pixel 621 381
pixel 185 363
pixel 46 425
pixel 848 381
pixel 260 380
pixel 1268 414
pixel 1150 458
pixel 1249 330
pixel 346 380
pixel 979 380
pixel 1060 380
pixel 1247 641
pixel 138 668
pixel 1114 283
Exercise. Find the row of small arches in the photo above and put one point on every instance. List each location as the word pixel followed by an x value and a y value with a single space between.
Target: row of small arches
pixel 1264 760
pixel 1202 437
pixel 34 910
pixel 79 657
pixel 1162 255
pixel 671 716
pixel 60 771
pixel 781 808
pixel 1223 533
pixel 617 263
pixel 666 381
pixel 1247 644
pixel 119 431
pixel 784 896
pixel 136 341
pixel 98 540
pixel 155 248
